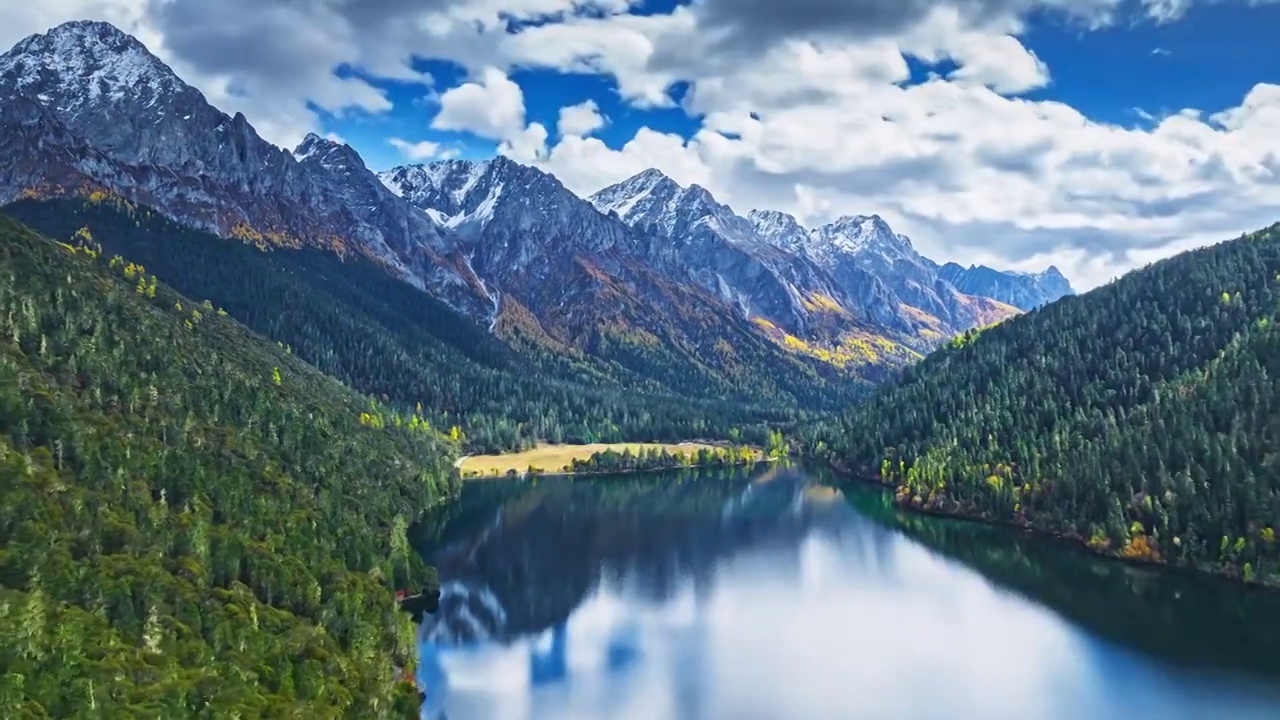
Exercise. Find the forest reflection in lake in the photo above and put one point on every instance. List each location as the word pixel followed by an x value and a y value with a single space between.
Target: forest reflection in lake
pixel 766 594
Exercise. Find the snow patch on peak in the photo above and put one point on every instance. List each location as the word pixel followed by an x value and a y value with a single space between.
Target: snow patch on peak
pixel 95 59
pixel 771 223
pixel 472 173
pixel 624 197
pixel 435 216
pixel 482 214
pixel 458 177
pixel 391 181
pixel 306 149
pixel 861 233
pixel 780 229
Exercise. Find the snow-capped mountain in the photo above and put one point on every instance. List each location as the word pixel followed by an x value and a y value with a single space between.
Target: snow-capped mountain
pixel 856 247
pixel 96 108
pixel 522 227
pixel 500 196
pixel 518 227
pixel 726 254
pixel 560 268
pixel 1027 291
pixel 868 242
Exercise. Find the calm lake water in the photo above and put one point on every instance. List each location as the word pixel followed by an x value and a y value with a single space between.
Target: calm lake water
pixel 765 594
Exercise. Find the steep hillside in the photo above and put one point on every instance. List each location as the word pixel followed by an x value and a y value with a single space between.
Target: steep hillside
pixel 390 340
pixel 588 281
pixel 195 522
pixel 1142 418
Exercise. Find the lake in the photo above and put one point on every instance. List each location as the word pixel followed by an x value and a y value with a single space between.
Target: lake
pixel 768 593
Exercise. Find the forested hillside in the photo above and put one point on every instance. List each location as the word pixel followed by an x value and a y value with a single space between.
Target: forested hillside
pixel 195 523
pixel 1142 418
pixel 395 342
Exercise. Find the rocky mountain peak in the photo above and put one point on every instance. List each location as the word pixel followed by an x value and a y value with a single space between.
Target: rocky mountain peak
pixel 329 154
pixel 652 200
pixel 506 204
pixel 780 229
pixel 85 62
pixel 641 194
pixel 321 149
pixel 1023 290
pixel 860 232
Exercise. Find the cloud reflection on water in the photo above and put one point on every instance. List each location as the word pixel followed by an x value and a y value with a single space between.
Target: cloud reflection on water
pixel 804 609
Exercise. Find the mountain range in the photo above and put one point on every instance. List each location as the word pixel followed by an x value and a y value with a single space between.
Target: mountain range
pixel 88 109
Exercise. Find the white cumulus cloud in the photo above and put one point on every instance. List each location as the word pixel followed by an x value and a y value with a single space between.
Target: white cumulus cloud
pixel 416 151
pixel 580 120
pixel 491 106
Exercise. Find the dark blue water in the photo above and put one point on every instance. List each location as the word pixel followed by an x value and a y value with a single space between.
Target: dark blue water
pixel 741 595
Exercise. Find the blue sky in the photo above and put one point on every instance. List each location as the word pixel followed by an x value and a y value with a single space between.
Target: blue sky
pixel 1207 60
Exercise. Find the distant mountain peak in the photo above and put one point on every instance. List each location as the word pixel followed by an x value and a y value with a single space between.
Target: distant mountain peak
pixel 1024 290
pixel 652 198
pixel 775 216
pixel 651 175
pixel 864 224
pixel 467 195
pixel 314 139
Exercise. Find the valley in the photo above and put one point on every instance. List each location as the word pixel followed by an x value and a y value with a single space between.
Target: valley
pixel 252 396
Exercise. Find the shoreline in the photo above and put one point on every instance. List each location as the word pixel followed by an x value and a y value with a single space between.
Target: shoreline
pixel 1074 542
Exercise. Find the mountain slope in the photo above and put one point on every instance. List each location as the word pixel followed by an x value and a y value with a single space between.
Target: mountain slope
pixel 110 114
pixel 1027 291
pixel 390 340
pixel 1140 418
pixel 588 281
pixel 195 522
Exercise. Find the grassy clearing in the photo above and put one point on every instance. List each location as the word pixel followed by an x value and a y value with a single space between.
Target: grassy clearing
pixel 555 458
